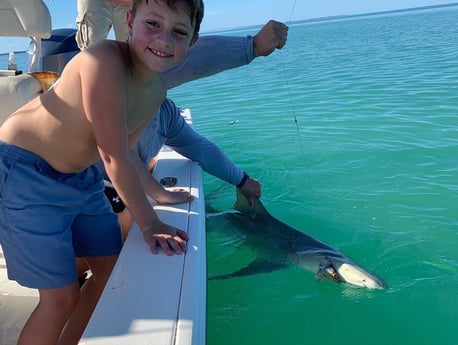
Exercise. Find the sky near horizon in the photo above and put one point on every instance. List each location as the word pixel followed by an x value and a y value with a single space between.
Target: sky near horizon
pixel 220 14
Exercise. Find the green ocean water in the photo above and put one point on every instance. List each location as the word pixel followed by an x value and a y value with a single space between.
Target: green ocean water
pixel 370 167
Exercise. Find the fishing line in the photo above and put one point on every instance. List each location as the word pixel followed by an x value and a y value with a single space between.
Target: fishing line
pixel 293 111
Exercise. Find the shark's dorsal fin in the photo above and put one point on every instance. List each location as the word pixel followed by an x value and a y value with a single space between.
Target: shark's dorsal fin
pixel 242 205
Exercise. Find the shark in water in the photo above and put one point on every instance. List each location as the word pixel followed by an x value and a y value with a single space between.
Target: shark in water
pixel 279 246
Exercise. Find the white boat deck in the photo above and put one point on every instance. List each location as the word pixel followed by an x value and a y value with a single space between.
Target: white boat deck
pixel 149 299
pixel 158 299
pixel 16 304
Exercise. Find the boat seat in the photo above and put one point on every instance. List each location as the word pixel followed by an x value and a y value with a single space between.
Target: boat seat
pixel 25 18
pixel 15 91
pixel 22 18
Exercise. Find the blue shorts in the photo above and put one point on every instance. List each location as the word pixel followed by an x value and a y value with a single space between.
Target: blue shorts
pixel 48 217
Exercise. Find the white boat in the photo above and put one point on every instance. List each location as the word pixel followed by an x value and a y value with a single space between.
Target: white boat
pixel 149 299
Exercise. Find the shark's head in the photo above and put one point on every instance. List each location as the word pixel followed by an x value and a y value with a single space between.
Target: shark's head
pixel 346 272
pixel 313 254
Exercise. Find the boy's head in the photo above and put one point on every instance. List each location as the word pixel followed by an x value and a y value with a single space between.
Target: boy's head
pixel 194 9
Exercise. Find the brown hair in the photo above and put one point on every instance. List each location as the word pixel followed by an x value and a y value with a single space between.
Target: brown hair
pixel 194 8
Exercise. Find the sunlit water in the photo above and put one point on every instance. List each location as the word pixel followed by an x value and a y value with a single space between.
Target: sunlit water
pixel 370 167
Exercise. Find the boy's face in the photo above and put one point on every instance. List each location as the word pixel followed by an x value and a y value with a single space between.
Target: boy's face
pixel 159 35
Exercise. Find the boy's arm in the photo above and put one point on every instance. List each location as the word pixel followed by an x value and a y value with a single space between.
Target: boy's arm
pixel 214 54
pixel 155 232
pixel 106 116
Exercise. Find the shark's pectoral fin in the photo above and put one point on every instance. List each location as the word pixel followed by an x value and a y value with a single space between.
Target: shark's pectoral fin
pixel 255 267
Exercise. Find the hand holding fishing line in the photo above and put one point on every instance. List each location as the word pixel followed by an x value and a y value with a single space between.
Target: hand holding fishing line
pixel 272 36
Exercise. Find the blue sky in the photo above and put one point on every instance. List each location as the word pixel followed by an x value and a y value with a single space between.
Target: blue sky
pixel 220 14
pixel 228 14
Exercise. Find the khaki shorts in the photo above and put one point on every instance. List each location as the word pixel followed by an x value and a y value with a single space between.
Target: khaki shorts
pixel 95 20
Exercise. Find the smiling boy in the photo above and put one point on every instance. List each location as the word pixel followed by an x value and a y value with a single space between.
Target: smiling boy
pixel 51 196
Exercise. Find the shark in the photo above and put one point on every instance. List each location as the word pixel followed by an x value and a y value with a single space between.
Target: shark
pixel 279 246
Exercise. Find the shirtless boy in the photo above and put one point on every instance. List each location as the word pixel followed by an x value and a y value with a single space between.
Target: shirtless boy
pixel 51 196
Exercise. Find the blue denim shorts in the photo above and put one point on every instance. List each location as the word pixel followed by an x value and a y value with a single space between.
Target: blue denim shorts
pixel 48 217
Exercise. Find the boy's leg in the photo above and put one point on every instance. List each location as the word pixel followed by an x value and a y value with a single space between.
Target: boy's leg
pixel 96 237
pixel 81 266
pixel 50 315
pixel 101 268
pixel 126 220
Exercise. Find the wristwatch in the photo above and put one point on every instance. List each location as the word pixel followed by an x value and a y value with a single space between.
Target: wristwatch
pixel 244 179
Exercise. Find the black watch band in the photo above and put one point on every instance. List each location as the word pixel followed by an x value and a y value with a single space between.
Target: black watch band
pixel 244 179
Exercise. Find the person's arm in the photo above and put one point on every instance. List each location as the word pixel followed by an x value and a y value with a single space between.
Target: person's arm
pixel 108 123
pixel 213 160
pixel 186 141
pixel 214 54
pixel 154 189
pixel 149 183
pixel 180 136
pixel 211 55
pixel 169 127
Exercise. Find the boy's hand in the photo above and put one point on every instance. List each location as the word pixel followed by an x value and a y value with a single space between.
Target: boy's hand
pixel 272 35
pixel 170 239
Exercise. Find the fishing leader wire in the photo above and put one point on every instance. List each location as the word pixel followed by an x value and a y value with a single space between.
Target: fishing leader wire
pixel 293 111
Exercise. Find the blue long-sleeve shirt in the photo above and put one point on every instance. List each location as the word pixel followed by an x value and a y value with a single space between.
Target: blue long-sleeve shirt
pixel 210 55
pixel 169 127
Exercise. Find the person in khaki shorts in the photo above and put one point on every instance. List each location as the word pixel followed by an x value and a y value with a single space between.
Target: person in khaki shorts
pixel 96 18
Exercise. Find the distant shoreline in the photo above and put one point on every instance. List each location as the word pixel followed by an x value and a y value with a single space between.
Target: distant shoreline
pixel 340 17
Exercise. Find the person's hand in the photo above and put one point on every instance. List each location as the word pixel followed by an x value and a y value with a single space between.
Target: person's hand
pixel 174 196
pixel 251 189
pixel 272 35
pixel 170 239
